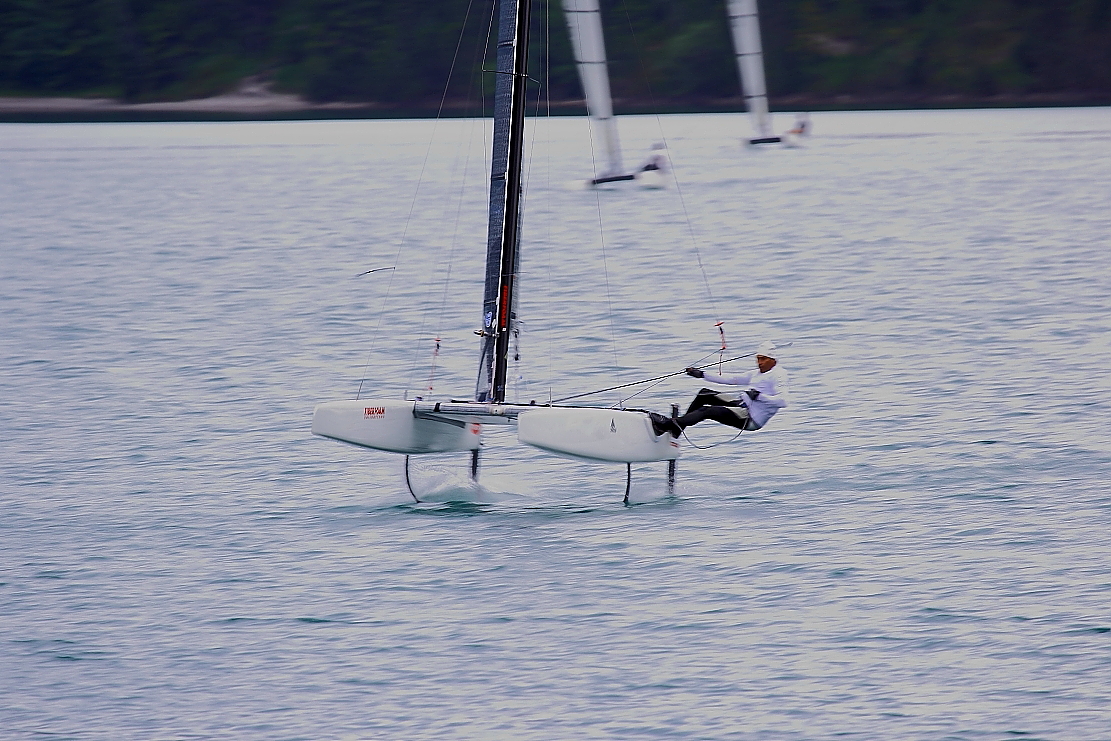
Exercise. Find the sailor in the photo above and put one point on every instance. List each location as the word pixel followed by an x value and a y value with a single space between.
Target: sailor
pixel 657 160
pixel 802 125
pixel 750 410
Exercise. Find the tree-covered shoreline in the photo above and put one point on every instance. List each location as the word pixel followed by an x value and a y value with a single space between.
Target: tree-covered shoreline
pixel 664 54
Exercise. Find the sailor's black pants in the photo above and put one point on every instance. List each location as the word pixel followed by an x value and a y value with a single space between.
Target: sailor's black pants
pixel 710 404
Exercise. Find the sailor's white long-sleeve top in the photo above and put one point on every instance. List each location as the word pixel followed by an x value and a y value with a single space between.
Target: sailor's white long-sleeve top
pixel 771 385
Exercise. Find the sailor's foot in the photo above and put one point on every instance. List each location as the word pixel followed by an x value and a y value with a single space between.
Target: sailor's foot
pixel 662 424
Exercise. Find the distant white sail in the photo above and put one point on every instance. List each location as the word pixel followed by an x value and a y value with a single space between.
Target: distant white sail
pixel 745 23
pixel 585 23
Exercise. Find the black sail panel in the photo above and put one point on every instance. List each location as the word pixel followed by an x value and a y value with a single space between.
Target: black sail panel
pixel 503 235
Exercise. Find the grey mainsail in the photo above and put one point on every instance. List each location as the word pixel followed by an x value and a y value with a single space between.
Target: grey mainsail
pixel 503 235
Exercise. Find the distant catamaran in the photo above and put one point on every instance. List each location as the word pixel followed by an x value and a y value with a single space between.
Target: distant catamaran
pixel 744 21
pixel 584 21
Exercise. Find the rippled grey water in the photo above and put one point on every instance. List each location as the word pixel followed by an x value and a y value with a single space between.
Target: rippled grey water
pixel 916 549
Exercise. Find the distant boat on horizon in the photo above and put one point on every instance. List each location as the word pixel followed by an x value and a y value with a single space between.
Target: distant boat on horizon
pixel 744 22
pixel 584 22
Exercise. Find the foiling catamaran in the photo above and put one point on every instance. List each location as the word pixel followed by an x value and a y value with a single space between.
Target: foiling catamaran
pixel 415 427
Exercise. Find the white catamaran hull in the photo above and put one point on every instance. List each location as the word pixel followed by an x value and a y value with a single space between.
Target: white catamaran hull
pixel 396 426
pixel 596 434
pixel 652 179
pixel 390 425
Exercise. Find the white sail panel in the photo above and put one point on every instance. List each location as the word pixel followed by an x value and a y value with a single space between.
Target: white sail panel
pixel 745 23
pixel 584 21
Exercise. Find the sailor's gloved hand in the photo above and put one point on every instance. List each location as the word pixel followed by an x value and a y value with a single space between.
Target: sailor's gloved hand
pixel 752 393
pixel 695 372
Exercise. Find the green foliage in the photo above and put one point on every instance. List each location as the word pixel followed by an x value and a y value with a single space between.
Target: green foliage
pixel 379 50
pixel 52 46
pixel 695 60
pixel 660 51
pixel 956 47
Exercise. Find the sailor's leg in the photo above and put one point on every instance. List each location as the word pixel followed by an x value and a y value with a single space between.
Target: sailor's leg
pixel 733 416
pixel 705 398
pixel 671 463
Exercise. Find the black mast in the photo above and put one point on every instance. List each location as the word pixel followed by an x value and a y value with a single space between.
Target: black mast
pixel 504 234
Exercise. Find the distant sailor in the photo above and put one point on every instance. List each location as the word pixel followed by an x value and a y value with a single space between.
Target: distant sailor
pixel 802 126
pixel 750 410
pixel 657 160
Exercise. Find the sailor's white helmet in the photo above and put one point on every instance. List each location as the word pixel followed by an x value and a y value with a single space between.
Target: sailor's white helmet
pixel 767 349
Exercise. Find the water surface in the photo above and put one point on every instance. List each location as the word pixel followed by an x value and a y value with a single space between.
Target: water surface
pixel 915 549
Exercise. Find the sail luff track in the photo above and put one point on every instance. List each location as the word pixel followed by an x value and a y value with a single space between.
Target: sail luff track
pixel 503 234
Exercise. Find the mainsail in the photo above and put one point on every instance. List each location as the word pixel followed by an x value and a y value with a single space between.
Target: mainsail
pixel 584 21
pixel 504 232
pixel 745 24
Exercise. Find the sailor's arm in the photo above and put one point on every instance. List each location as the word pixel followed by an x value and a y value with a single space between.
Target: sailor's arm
pixel 741 380
pixel 777 400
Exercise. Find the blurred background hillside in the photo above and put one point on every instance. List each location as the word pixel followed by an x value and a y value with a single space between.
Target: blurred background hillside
pixel 665 54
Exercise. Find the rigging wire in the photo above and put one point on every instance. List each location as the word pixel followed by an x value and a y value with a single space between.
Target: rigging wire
pixel 413 203
pixel 606 275
pixel 432 370
pixel 543 102
pixel 541 95
pixel 709 447
pixel 655 378
pixel 548 166
pixel 480 48
pixel 678 188
pixel 656 381
pixel 415 355
pixel 602 238
pixel 602 241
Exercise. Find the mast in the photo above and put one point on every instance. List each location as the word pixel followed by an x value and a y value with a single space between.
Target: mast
pixel 584 21
pixel 504 232
pixel 745 23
